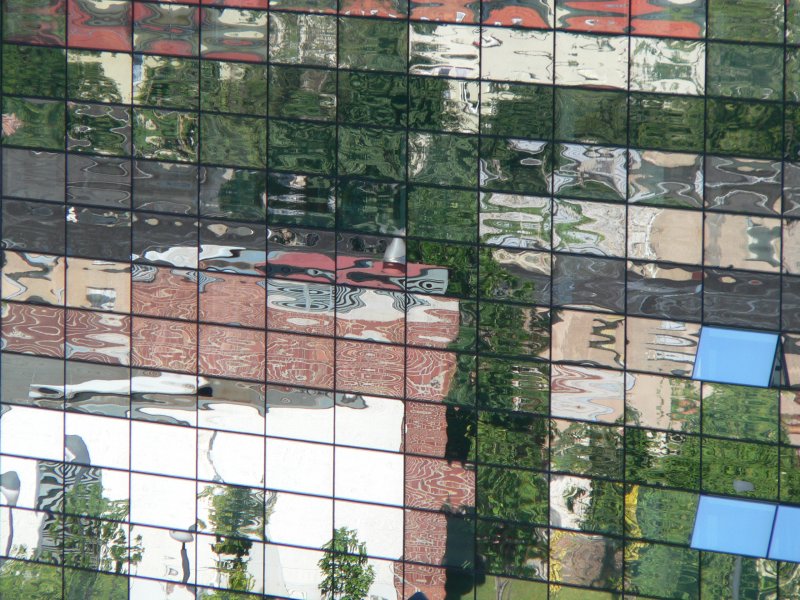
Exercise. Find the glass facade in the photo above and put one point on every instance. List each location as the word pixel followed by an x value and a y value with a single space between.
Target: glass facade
pixel 354 299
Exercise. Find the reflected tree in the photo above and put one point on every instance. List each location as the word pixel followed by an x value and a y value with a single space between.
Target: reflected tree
pixel 347 575
pixel 235 512
pixel 97 546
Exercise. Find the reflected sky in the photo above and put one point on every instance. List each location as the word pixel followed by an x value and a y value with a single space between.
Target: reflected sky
pixel 735 356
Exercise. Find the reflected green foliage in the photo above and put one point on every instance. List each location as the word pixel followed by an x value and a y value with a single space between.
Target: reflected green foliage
pixel 168 82
pixel 428 208
pixel 667 122
pixel 591 116
pixel 516 385
pixel 587 449
pixel 793 74
pixel 514 330
pixel 443 104
pixel 99 129
pixel 89 543
pixel 462 386
pixel 443 159
pixel 660 515
pixel 502 588
pixel 789 580
pixel 741 71
pixel 790 474
pixel 512 165
pixel 658 458
pixel 33 71
pixel 509 275
pixel 744 128
pixel 460 262
pixel 746 20
pixel 377 153
pixel 165 135
pixel 740 412
pixel 723 575
pixel 347 574
pixel 302 93
pixel 241 196
pixel 558 592
pixel 42 20
pixel 307 147
pixel 236 511
pixel 517 110
pixel 725 461
pixel 515 440
pixel 372 44
pixel 372 99
pixel 371 207
pixel 34 123
pixel 512 494
pixel 666 571
pixel 513 550
pixel 792 132
pixel 604 513
pixel 233 87
pixel 30 581
pixel 233 140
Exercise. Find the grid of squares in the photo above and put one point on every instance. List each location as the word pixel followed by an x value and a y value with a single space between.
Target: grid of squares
pixel 428 274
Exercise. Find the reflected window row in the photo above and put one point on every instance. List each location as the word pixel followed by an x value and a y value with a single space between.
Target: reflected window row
pixel 591 339
pixel 146 20
pixel 517 178
pixel 736 128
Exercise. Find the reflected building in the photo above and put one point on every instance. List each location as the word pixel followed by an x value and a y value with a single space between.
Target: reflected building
pixel 378 299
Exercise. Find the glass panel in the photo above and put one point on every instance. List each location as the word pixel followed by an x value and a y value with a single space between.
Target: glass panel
pixel 444 50
pixel 743 185
pixel 733 526
pixel 33 278
pixel 373 45
pixel 667 66
pixel 596 339
pixel 735 356
pixel 589 282
pixel 589 60
pixel 586 393
pixel 567 566
pixel 99 76
pixel 586 504
pixel 517 55
pixel 784 545
pixel 677 571
pixel 740 468
pixel 662 402
pixel 740 412
pixel 666 291
pixel 659 514
pixel 659 458
pixel 741 298
pixel 595 172
pixel 725 574
pixel 586 448
pixel 589 228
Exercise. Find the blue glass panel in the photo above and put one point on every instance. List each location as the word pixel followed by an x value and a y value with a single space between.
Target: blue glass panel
pixel 735 356
pixel 733 526
pixel 785 541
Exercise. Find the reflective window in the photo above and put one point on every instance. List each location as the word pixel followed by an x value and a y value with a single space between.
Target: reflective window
pixel 733 526
pixel 735 356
